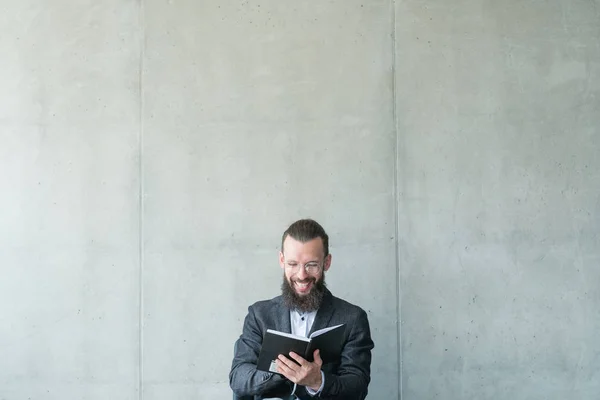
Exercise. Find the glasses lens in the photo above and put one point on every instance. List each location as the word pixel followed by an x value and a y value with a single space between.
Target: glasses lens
pixel 312 267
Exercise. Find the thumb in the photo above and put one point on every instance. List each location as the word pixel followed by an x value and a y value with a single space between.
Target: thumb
pixel 317 357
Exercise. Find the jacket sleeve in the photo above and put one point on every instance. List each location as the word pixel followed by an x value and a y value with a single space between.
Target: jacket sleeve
pixel 244 378
pixel 352 378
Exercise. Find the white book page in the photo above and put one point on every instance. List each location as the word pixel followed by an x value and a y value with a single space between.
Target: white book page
pixel 288 335
pixel 322 331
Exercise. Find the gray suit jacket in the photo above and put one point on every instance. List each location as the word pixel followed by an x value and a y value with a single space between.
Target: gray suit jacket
pixel 347 379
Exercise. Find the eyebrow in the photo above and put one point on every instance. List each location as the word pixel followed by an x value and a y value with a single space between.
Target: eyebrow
pixel 308 262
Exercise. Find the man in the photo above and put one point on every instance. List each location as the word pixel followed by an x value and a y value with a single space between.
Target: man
pixel 305 305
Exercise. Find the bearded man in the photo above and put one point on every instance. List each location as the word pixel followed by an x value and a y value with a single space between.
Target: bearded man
pixel 304 306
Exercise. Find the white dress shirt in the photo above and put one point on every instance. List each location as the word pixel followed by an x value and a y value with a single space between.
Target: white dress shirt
pixel 301 324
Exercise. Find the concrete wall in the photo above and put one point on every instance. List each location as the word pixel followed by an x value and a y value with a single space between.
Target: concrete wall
pixel 69 199
pixel 256 114
pixel 498 109
pixel 151 154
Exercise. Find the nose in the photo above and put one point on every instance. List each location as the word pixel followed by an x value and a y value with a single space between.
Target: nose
pixel 302 274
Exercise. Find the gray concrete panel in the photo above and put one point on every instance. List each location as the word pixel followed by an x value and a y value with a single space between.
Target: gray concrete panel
pixel 499 217
pixel 69 206
pixel 256 115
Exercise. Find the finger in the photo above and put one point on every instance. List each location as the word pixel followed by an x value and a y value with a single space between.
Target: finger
pixel 285 371
pixel 287 362
pixel 317 357
pixel 301 361
pixel 281 367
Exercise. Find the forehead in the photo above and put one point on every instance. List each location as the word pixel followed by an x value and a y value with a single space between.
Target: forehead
pixel 294 249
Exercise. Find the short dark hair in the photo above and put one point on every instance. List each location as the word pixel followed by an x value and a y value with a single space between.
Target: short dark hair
pixel 305 230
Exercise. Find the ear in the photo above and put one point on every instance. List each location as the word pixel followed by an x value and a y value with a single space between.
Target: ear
pixel 327 263
pixel 281 260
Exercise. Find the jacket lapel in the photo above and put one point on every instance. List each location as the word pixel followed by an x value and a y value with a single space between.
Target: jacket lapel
pixel 283 318
pixel 324 313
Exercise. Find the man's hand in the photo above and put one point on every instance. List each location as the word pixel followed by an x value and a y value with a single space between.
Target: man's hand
pixel 306 374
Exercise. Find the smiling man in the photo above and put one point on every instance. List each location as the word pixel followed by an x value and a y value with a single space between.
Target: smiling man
pixel 305 305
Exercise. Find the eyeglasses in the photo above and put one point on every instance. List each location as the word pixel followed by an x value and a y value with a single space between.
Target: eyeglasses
pixel 310 267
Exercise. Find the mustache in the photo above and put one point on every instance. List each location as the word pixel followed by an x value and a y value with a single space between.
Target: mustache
pixel 307 280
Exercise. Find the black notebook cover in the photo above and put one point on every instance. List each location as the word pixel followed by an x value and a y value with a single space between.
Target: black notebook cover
pixel 329 341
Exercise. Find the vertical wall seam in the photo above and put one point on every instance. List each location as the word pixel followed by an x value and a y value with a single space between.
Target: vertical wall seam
pixel 141 202
pixel 396 207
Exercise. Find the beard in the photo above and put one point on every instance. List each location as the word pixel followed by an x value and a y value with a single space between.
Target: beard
pixel 308 302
